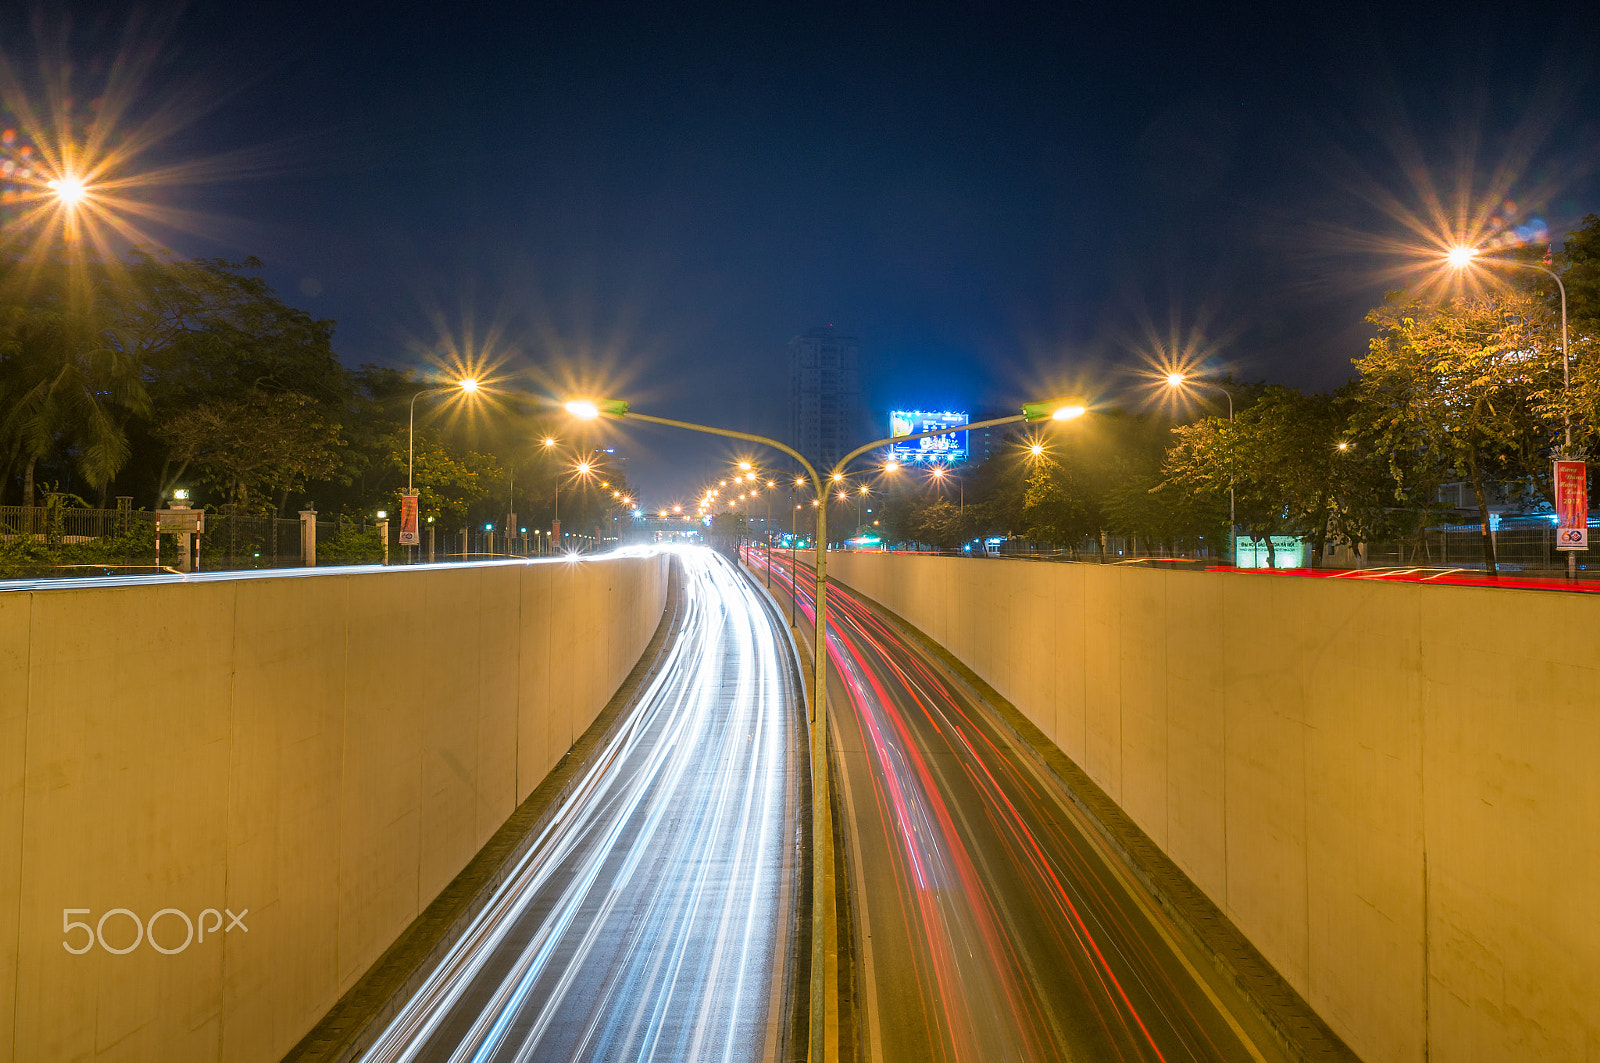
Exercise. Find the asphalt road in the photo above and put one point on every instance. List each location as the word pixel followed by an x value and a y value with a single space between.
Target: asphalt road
pixel 653 917
pixel 990 922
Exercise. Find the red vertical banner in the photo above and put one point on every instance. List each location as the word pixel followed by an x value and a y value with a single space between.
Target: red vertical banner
pixel 408 521
pixel 1572 505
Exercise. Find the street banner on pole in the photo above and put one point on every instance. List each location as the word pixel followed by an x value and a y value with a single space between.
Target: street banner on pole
pixel 408 521
pixel 1572 505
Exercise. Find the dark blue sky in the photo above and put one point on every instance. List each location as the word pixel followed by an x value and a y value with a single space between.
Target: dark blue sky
pixel 999 201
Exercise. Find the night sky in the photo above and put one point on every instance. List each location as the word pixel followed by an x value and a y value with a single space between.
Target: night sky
pixel 1001 203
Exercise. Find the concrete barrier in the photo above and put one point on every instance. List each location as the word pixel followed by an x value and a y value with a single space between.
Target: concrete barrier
pixel 323 753
pixel 1392 789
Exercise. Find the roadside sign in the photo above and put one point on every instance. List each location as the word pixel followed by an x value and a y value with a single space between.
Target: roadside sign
pixel 181 520
pixel 408 521
pixel 1572 505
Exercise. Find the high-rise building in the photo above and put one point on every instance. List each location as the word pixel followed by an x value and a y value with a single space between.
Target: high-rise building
pixel 824 396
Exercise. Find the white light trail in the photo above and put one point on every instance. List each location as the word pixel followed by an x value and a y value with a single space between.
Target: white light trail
pixel 655 885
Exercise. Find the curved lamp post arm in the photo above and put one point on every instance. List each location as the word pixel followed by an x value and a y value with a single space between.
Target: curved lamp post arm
pixel 727 432
pixel 1566 360
pixel 411 430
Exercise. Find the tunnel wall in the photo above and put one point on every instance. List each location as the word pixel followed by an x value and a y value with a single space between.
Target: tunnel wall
pixel 326 752
pixel 1390 788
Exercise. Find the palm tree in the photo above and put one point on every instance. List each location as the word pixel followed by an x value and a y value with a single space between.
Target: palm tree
pixel 66 381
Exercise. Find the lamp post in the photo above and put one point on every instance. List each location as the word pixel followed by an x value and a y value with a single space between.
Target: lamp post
pixel 1178 380
pixel 468 386
pixel 822 883
pixel 1462 257
pixel 772 485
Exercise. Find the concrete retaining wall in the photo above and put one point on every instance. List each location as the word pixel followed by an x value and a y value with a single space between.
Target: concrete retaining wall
pixel 326 752
pixel 1393 789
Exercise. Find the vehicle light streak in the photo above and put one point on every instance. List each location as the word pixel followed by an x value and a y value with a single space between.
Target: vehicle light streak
pixel 1024 942
pixel 645 919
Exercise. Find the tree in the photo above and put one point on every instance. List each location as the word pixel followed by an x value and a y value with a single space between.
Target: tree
pixel 256 448
pixel 1056 506
pixel 448 484
pixel 940 524
pixel 63 386
pixel 208 333
pixel 1579 266
pixel 1458 386
pixel 1212 457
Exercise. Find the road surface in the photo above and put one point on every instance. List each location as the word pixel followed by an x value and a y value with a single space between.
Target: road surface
pixel 653 918
pixel 990 923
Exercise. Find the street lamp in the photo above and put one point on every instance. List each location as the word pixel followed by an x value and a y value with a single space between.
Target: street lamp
pixel 1178 380
pixel 469 386
pixel 821 812
pixel 1461 258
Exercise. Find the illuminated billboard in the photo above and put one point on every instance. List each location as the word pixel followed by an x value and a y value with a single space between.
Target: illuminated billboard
pixel 949 449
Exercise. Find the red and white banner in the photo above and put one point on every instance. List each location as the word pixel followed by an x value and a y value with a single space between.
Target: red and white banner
pixel 408 521
pixel 1572 505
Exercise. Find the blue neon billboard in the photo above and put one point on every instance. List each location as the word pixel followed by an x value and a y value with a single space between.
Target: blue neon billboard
pixel 949 449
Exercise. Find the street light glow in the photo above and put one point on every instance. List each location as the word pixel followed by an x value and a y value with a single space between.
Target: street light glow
pixel 745 465
pixel 1461 256
pixel 1036 449
pixel 891 465
pixel 470 385
pixel 549 442
pixel 580 408
pixel 69 190
pixel 1174 380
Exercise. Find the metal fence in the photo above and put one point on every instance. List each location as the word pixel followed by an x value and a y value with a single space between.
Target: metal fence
pixel 1521 549
pixel 233 541
pixel 1524 548
pixel 41 541
pixel 73 523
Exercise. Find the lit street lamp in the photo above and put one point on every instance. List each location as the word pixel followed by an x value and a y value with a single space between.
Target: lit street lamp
pixel 1461 258
pixel 822 895
pixel 469 386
